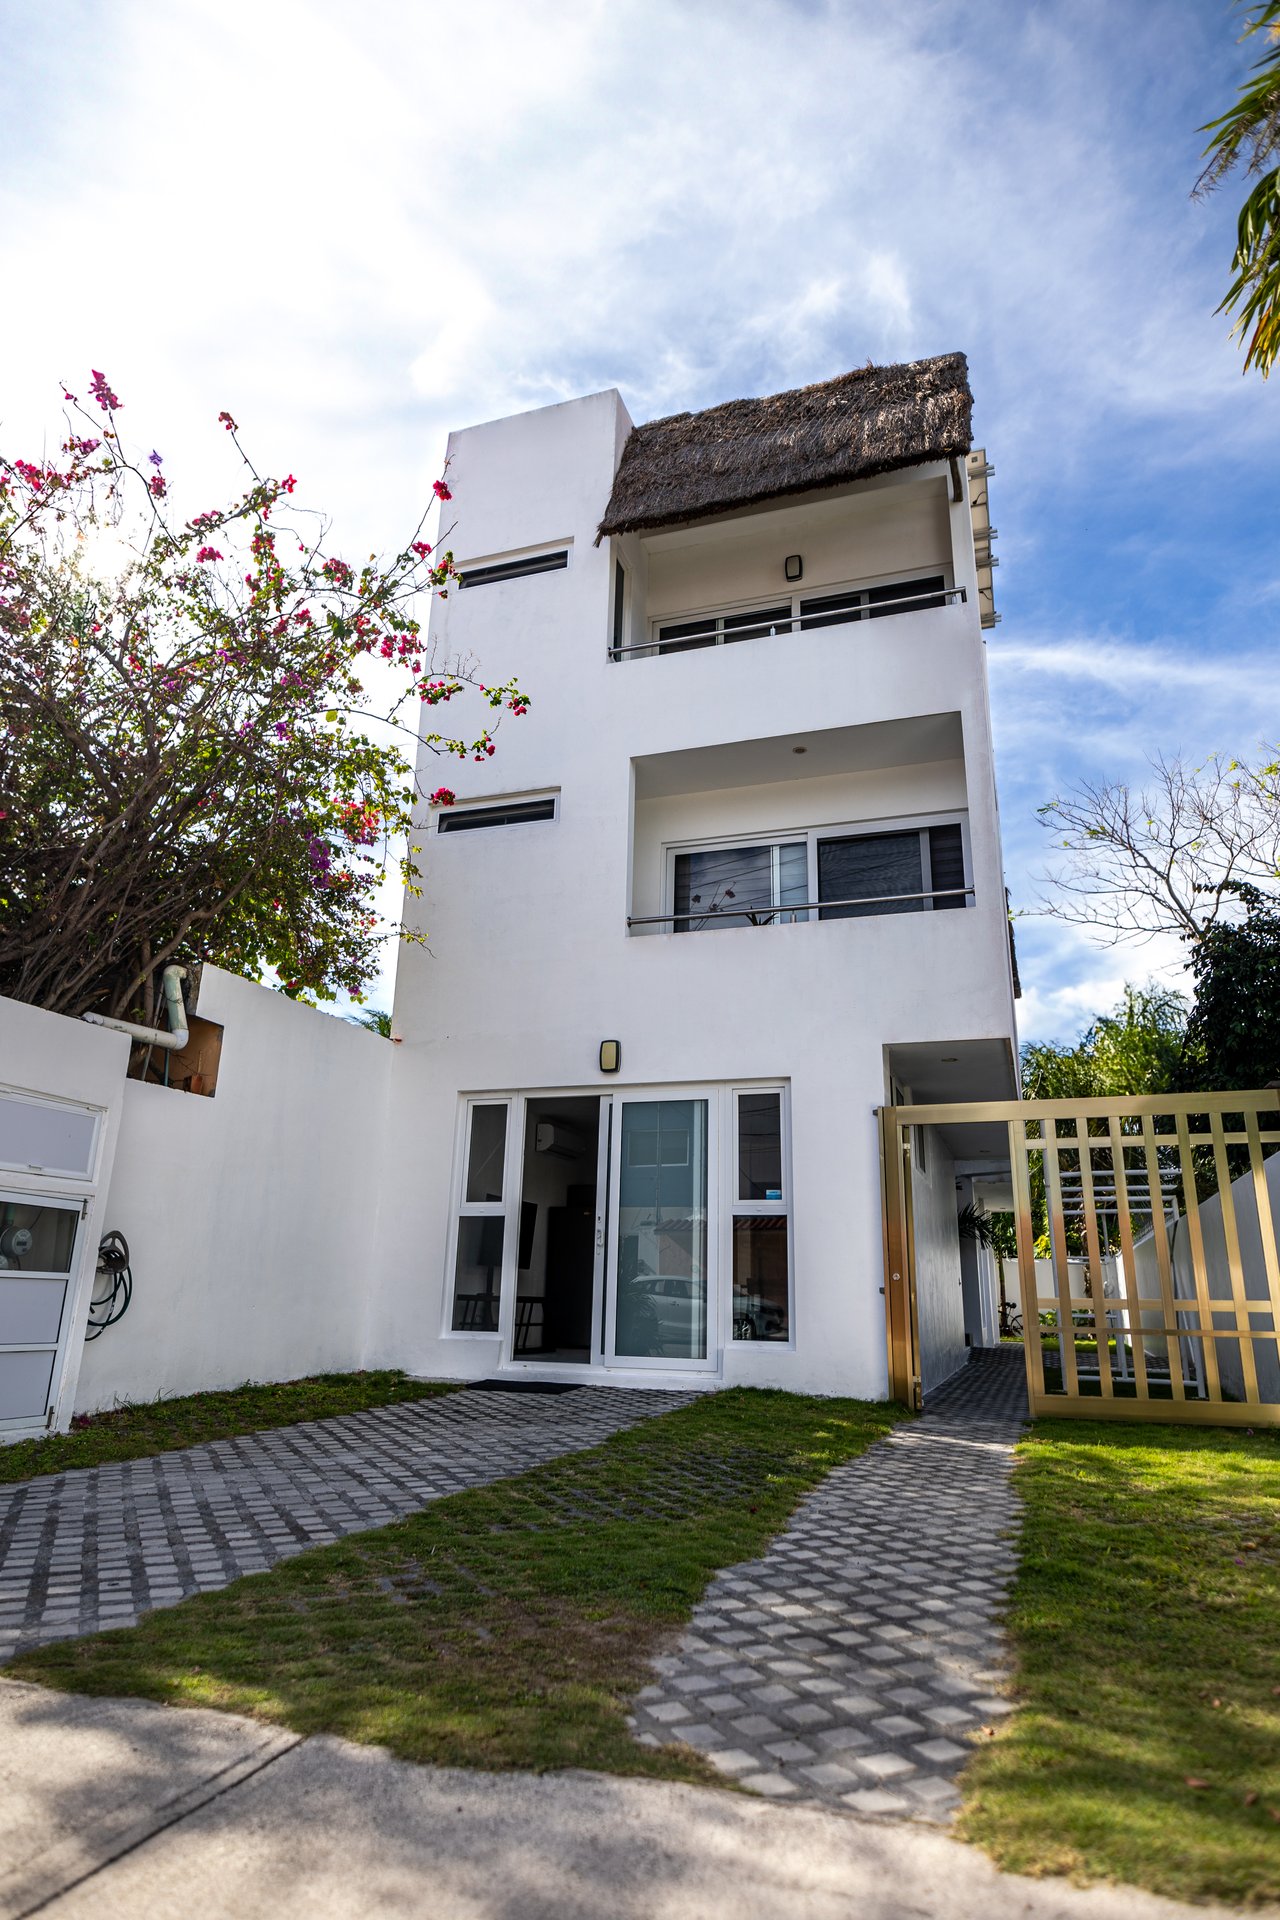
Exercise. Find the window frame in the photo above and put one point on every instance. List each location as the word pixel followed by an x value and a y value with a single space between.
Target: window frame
pixel 464 1209
pixel 556 557
pixel 489 806
pixel 786 915
pixel 715 615
pixel 619 609
pixel 735 1208
pixel 811 835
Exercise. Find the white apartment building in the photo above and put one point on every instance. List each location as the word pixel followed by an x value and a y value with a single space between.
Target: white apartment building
pixel 731 885
pixel 734 883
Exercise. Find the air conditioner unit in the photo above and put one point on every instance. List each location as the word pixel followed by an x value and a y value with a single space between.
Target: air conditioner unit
pixel 552 1136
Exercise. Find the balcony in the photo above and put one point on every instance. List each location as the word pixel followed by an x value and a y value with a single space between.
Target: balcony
pixel 881 548
pixel 799 613
pixel 842 824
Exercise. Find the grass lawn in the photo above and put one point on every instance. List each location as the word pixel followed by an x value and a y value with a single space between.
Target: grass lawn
pixel 505 1626
pixel 1146 1622
pixel 156 1426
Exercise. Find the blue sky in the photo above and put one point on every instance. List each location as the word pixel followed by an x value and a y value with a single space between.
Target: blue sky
pixel 357 227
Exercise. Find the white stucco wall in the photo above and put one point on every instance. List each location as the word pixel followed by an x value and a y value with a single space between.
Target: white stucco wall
pixel 529 964
pixel 251 1216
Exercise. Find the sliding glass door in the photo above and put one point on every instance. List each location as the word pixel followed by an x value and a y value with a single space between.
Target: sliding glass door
pixel 657 1310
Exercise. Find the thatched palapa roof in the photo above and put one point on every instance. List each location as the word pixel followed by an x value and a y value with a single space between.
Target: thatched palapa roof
pixel 869 421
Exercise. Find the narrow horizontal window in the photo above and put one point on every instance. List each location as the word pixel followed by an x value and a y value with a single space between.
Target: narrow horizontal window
pixel 515 569
pixel 512 814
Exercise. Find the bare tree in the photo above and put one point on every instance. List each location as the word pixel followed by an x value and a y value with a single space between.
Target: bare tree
pixel 1166 858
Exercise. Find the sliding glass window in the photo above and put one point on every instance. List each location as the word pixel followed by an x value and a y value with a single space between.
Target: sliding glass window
pixel 915 870
pixel 741 886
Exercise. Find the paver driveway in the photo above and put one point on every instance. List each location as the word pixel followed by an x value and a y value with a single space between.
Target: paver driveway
pixel 98 1546
pixel 853 1662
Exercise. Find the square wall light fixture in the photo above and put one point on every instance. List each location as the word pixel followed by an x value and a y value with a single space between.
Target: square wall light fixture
pixel 793 567
pixel 610 1056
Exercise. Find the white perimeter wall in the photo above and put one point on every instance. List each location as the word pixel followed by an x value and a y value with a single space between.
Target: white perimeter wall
pixel 251 1217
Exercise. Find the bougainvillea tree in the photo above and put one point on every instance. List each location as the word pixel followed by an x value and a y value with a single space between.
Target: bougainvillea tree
pixel 208 728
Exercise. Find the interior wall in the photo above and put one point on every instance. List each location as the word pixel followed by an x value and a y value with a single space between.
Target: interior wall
pixel 939 1290
pixel 251 1215
pixel 546 1177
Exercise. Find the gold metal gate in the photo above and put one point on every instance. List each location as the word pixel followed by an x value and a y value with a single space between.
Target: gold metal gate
pixel 1147 1259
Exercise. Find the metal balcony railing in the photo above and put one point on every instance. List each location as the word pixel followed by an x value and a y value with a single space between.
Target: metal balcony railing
pixel 765 916
pixel 725 628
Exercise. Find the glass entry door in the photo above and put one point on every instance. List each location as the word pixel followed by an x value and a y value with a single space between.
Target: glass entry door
pixel 657 1311
pixel 560 1242
pixel 37 1259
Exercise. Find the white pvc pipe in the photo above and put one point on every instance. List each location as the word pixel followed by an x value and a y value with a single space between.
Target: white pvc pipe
pixel 176 1037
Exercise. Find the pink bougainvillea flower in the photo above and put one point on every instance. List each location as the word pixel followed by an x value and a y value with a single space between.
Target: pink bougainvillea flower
pixel 101 391
pixel 208 553
pixel 227 421
pixel 441 491
pixel 442 797
pixel 421 548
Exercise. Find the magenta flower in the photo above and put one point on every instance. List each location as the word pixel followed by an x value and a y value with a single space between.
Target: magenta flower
pixel 100 388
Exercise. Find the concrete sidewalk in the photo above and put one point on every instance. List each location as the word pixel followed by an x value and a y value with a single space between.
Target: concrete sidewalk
pixel 120 1808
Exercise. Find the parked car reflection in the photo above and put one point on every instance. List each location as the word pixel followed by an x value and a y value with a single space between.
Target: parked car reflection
pixel 663 1315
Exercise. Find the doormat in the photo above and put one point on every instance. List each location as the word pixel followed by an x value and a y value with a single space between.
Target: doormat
pixel 523 1386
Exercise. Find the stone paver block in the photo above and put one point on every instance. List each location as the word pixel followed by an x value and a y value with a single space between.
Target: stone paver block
pixel 940 1753
pixel 773 1785
pixel 875 1800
